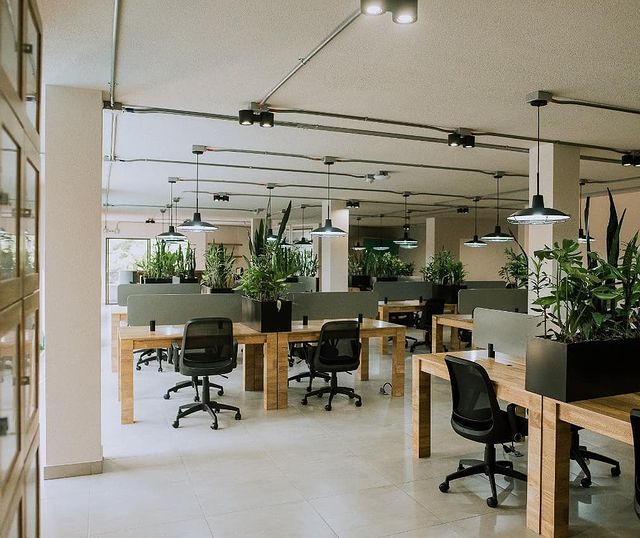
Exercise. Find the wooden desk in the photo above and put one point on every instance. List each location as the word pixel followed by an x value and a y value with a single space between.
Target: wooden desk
pixel 370 328
pixel 259 347
pixel 455 321
pixel 118 315
pixel 407 306
pixel 507 374
pixel 606 416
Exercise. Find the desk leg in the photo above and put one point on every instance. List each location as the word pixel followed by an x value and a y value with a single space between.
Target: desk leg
pixel 363 369
pixel 534 464
pixel 384 349
pixel 283 371
pixel 253 366
pixel 397 363
pixel 436 337
pixel 556 443
pixel 125 377
pixel 455 338
pixel 421 411
pixel 115 323
pixel 271 372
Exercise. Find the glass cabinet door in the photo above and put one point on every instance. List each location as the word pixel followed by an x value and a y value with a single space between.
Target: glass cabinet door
pixel 31 58
pixel 10 41
pixel 9 163
pixel 29 223
pixel 9 372
pixel 30 501
pixel 29 367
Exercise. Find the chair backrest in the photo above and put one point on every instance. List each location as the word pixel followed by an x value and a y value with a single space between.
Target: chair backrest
pixel 338 345
pixel 635 427
pixel 431 307
pixel 207 341
pixel 475 405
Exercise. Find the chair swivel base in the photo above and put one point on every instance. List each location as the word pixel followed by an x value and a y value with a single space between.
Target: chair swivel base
pixel 300 377
pixel 195 383
pixel 208 405
pixel 490 467
pixel 149 355
pixel 332 390
pixel 581 456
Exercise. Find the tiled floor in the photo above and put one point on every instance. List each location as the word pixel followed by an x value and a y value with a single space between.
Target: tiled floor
pixel 302 472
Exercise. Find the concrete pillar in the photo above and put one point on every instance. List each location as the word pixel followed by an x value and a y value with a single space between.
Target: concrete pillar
pixel 430 238
pixel 334 251
pixel 72 202
pixel 559 184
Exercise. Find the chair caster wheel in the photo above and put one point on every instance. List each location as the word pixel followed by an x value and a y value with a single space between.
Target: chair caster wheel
pixel 175 424
pixel 327 407
pixel 615 471
pixel 304 401
pixel 238 416
pixel 138 368
pixel 359 403
pixel 214 426
pixel 196 398
pixel 159 369
pixel 460 467
pixel 585 482
pixel 492 502
pixel 221 392
pixel 444 487
pixel 308 389
pixel 290 363
pixel 351 396
pixel 166 396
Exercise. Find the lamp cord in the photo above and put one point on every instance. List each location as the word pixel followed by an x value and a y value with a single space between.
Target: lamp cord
pixel 171 205
pixel 197 179
pixel 328 190
pixel 498 201
pixel 475 226
pixel 538 160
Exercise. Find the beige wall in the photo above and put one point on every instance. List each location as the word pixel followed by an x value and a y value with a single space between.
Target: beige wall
pixel 484 263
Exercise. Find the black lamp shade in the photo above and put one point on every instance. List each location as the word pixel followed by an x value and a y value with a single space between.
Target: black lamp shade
pixel 497 236
pixel 454 140
pixel 475 243
pixel 171 235
pixel 245 117
pixel 328 230
pixel 358 247
pixel 537 214
pixel 266 119
pixel 196 224
pixel 468 141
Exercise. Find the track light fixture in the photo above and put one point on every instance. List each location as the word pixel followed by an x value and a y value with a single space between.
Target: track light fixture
pixel 582 236
pixel 475 242
pixel 328 230
pixel 150 220
pixel 381 175
pixel 497 236
pixel 257 113
pixel 461 138
pixel 353 204
pixel 462 210
pixel 196 224
pixel 220 197
pixel 406 241
pixel 537 213
pixel 358 246
pixel 171 235
pixel 402 11
pixel 631 159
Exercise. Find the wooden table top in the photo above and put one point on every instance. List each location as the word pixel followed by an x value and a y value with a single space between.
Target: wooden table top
pixel 406 302
pixel 368 326
pixel 175 331
pixel 461 321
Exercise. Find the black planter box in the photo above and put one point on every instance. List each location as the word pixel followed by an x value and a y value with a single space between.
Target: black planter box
pixel 361 281
pixel 220 290
pixel 291 279
pixel 387 279
pixel 265 317
pixel 447 293
pixel 185 280
pixel 584 370
pixel 157 280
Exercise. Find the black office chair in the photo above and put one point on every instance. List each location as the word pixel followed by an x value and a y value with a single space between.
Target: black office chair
pixel 477 416
pixel 432 307
pixel 207 349
pixel 635 428
pixel 301 353
pixel 195 382
pixel 408 319
pixel 149 355
pixel 580 455
pixel 338 350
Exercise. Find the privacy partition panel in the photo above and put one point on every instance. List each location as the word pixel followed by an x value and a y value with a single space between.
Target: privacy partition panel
pixel 124 290
pixel 507 331
pixel 334 304
pixel 496 299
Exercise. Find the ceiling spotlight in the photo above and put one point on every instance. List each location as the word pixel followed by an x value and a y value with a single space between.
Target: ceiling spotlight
pixel 631 159
pixel 402 11
pixel 461 137
pixel 469 141
pixel 353 204
pixel 266 119
pixel 463 210
pixel 454 140
pixel 372 7
pixel 220 197
pixel 249 116
pixel 381 175
pixel 245 117
pixel 150 221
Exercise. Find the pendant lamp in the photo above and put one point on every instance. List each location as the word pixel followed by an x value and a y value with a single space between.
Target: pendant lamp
pixel 537 213
pixel 303 241
pixel 172 235
pixel 406 241
pixel 328 230
pixel 380 247
pixel 582 237
pixel 475 242
pixel 196 224
pixel 358 246
pixel 497 236
pixel 271 237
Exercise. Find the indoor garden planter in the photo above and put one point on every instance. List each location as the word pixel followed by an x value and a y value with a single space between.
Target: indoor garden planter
pixel 361 281
pixel 449 294
pixel 582 370
pixel 147 280
pixel 266 316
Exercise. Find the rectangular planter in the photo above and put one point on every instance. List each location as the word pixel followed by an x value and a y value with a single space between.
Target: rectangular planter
pixel 583 370
pixel 361 281
pixel 447 293
pixel 265 316
pixel 157 280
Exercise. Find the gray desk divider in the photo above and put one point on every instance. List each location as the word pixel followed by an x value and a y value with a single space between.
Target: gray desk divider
pixel 304 283
pixel 507 331
pixel 399 291
pixel 124 290
pixel 484 284
pixel 177 309
pixel 334 304
pixel 495 299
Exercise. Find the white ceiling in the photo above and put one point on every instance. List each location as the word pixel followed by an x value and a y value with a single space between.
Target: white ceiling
pixel 458 66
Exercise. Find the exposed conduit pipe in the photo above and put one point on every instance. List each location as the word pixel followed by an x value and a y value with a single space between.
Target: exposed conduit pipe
pixel 303 61
pixel 112 93
pixel 592 104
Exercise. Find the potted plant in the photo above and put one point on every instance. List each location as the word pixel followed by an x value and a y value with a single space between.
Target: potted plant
pixel 515 271
pixel 591 341
pixel 159 266
pixel 187 260
pixel 446 274
pixel 362 266
pixel 287 261
pixel 263 285
pixel 218 275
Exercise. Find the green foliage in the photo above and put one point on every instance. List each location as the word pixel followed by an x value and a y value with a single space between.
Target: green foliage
pixel 287 261
pixel 308 263
pixel 443 269
pixel 160 263
pixel 258 243
pixel 515 271
pixel 218 267
pixel 363 263
pixel 599 300
pixel 390 265
pixel 264 280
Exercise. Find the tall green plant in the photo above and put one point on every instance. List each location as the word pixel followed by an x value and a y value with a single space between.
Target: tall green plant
pixel 264 280
pixel 363 263
pixel 442 268
pixel 218 267
pixel 159 263
pixel 515 271
pixel 308 263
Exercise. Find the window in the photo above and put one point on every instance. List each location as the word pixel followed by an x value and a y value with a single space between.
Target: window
pixel 122 255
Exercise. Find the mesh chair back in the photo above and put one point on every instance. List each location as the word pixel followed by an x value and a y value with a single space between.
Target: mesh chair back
pixel 635 427
pixel 475 405
pixel 338 346
pixel 432 307
pixel 207 341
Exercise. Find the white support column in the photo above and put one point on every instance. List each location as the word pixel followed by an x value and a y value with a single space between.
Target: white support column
pixel 334 251
pixel 559 184
pixel 72 219
pixel 430 238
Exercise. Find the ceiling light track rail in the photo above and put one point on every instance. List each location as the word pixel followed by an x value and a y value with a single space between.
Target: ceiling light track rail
pixel 593 104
